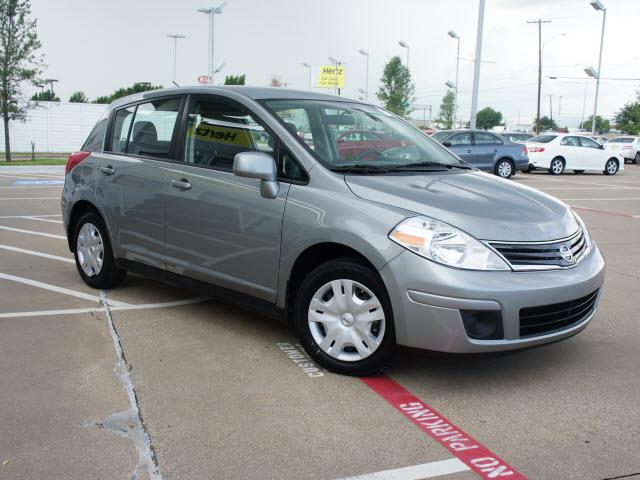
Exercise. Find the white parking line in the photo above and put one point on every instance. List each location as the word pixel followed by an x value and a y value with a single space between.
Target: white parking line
pixel 22 216
pixel 34 186
pixel 42 219
pixel 70 311
pixel 620 199
pixel 37 254
pixel 29 198
pixel 32 232
pixel 54 288
pixel 416 472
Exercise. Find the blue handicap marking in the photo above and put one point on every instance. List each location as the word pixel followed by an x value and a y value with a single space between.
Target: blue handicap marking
pixel 34 181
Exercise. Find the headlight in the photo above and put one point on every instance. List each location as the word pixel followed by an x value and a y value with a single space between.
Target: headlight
pixel 442 243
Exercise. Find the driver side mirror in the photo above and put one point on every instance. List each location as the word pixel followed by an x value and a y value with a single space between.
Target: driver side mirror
pixel 601 147
pixel 446 144
pixel 261 166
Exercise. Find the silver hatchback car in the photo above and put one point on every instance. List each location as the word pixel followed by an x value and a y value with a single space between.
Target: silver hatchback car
pixel 332 213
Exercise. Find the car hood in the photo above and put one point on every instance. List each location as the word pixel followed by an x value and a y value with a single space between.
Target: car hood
pixel 487 207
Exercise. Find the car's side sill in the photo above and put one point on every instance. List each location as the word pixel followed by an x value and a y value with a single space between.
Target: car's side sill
pixel 219 294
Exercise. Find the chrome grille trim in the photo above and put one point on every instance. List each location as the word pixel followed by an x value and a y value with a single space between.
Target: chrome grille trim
pixel 524 256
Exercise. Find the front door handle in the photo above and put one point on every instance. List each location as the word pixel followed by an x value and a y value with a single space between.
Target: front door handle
pixel 182 184
pixel 469 151
pixel 108 170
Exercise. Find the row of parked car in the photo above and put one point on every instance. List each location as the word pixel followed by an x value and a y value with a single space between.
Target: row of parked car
pixel 507 153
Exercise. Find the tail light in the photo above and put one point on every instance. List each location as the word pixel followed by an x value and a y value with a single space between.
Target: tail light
pixel 74 159
pixel 536 149
pixel 525 150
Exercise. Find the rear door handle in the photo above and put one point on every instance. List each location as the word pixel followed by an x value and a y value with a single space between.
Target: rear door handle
pixel 182 184
pixel 108 170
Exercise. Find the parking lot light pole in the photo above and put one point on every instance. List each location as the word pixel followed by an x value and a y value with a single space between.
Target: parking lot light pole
pixel 405 45
pixel 336 62
pixel 306 65
pixel 476 67
pixel 597 4
pixel 453 34
pixel 211 12
pixel 366 86
pixel 175 37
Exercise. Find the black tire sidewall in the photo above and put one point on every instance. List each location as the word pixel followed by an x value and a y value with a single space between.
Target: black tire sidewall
pixel 110 275
pixel 353 270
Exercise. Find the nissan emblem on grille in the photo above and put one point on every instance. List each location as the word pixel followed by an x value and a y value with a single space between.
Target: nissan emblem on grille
pixel 566 254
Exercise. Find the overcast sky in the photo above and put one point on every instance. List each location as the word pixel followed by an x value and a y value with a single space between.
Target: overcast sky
pixel 98 46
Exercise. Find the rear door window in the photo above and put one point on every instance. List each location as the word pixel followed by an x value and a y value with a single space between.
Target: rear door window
pixel 570 141
pixel 486 139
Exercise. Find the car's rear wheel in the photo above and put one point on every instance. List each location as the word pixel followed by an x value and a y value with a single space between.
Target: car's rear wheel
pixel 636 159
pixel 93 254
pixel 504 168
pixel 611 167
pixel 530 168
pixel 557 166
pixel 344 319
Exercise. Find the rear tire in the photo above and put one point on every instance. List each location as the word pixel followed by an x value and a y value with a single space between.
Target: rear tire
pixel 93 253
pixel 611 167
pixel 504 168
pixel 636 159
pixel 339 330
pixel 557 166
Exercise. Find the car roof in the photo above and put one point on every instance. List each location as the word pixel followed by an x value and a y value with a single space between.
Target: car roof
pixel 253 93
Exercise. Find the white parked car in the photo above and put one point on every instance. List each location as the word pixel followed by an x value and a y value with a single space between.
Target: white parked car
pixel 628 146
pixel 558 152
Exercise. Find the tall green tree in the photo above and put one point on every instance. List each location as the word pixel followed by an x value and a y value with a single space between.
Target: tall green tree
pixel 19 61
pixel 628 118
pixel 545 124
pixel 396 91
pixel 235 79
pixel 447 109
pixel 602 125
pixel 488 118
pixel 124 91
pixel 78 97
pixel 45 96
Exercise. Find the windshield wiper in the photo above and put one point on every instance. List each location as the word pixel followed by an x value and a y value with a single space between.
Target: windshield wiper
pixel 421 165
pixel 361 168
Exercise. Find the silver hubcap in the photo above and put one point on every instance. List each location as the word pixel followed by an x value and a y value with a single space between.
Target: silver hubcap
pixel 90 250
pixel 612 167
pixel 557 166
pixel 346 320
pixel 504 169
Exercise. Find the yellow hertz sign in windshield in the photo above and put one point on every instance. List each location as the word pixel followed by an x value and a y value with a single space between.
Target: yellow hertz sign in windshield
pixel 223 133
pixel 331 76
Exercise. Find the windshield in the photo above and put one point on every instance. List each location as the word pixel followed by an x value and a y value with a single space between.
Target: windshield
pixel 359 137
pixel 542 138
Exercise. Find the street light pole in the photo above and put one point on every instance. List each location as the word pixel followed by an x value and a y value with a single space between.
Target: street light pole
pixel 597 4
pixel 539 22
pixel 476 68
pixel 366 87
pixel 405 45
pixel 211 12
pixel 305 64
pixel 175 37
pixel 453 34
pixel 337 64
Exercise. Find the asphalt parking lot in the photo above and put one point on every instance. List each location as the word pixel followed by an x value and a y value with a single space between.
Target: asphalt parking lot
pixel 147 381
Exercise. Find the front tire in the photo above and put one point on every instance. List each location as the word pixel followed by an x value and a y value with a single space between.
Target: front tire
pixel 611 167
pixel 636 159
pixel 557 166
pixel 93 253
pixel 344 319
pixel 504 168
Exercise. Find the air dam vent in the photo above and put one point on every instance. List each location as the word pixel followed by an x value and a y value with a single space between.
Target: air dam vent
pixel 551 318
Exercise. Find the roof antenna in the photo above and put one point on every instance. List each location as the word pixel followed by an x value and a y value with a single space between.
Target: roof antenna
pixel 176 84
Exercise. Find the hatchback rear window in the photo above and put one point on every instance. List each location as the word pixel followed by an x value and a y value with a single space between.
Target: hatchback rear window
pixel 542 138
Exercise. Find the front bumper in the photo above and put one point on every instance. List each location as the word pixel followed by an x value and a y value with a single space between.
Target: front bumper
pixel 427 298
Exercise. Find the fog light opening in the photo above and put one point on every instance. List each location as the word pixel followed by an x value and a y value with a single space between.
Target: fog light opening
pixel 483 324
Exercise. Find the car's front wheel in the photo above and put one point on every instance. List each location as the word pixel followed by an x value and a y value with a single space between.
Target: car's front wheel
pixel 504 168
pixel 93 254
pixel 611 167
pixel 344 319
pixel 557 166
pixel 636 159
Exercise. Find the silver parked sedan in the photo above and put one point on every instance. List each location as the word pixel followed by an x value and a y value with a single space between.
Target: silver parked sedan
pixel 334 214
pixel 486 151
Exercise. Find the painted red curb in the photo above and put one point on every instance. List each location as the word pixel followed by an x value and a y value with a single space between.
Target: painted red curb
pixel 477 457
pixel 605 212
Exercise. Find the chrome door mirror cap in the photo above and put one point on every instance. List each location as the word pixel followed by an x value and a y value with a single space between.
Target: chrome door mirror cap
pixel 261 166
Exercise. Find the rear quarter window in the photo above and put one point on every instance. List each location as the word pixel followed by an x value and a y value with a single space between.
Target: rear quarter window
pixel 95 140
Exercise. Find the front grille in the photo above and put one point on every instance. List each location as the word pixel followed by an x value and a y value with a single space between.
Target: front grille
pixel 536 256
pixel 550 318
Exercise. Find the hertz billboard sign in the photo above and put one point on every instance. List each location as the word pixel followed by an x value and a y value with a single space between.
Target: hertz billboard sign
pixel 331 76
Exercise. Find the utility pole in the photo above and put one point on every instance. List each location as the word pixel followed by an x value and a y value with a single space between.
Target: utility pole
pixel 551 108
pixel 539 22
pixel 476 68
pixel 175 37
pixel 559 107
